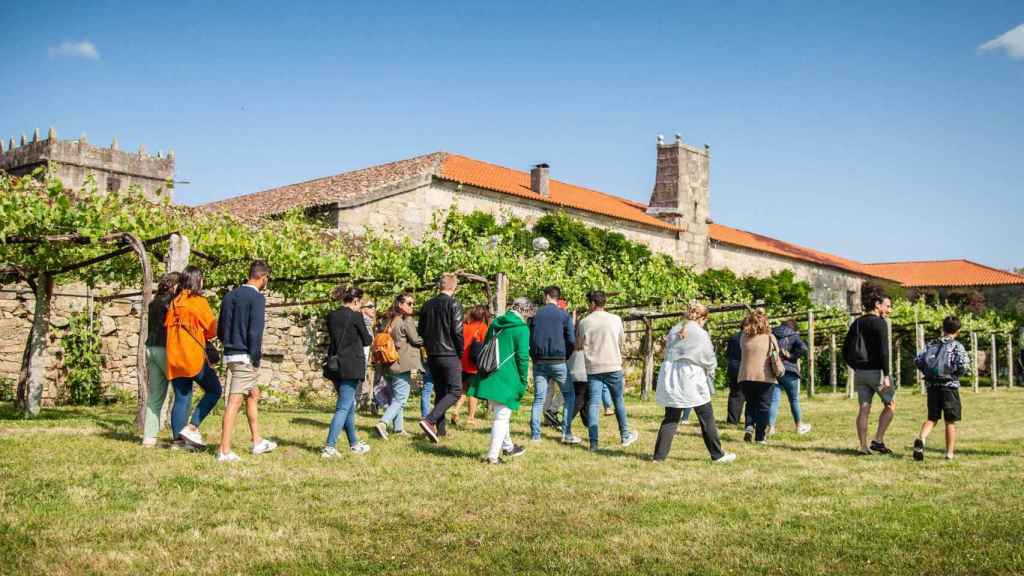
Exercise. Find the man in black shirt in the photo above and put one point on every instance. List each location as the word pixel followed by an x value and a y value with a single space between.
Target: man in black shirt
pixel 441 329
pixel 872 377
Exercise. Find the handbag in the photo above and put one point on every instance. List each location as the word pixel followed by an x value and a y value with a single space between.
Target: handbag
pixel 775 364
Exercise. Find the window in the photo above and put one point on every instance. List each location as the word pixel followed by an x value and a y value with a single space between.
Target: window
pixel 851 300
pixel 113 184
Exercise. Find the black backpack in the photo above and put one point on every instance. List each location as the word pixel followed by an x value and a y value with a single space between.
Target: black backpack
pixel 855 350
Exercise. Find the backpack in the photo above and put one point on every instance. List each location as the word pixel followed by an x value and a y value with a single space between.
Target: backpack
pixel 855 349
pixel 488 359
pixel 383 349
pixel 935 363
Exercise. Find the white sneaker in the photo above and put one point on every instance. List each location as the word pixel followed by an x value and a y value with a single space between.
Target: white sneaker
pixel 264 446
pixel 573 440
pixel 229 457
pixel 193 437
pixel 803 429
pixel 382 430
pixel 630 438
pixel 149 442
pixel 330 452
pixel 726 458
pixel 360 448
pixel 771 430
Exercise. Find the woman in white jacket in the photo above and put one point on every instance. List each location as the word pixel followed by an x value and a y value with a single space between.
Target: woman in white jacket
pixel 686 380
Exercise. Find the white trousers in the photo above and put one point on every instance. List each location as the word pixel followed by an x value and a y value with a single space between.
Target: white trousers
pixel 500 437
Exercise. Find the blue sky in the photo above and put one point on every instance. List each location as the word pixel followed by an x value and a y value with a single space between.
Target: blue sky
pixel 877 131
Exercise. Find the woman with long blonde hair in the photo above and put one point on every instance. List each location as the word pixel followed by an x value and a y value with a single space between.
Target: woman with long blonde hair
pixel 686 381
pixel 759 370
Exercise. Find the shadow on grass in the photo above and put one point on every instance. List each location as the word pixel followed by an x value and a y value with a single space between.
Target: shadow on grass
pixel 8 411
pixel 310 422
pixel 115 430
pixel 424 446
pixel 833 450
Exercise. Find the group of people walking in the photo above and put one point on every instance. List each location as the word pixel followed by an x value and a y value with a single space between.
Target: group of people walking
pixel 469 355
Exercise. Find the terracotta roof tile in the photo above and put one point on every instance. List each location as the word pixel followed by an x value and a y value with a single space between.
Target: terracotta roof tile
pixel 946 273
pixel 737 237
pixel 347 187
pixel 465 170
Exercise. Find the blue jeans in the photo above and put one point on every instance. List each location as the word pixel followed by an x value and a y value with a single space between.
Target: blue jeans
pixel 606 397
pixel 568 407
pixel 595 384
pixel 344 412
pixel 210 383
pixel 428 389
pixel 789 382
pixel 400 386
pixel 541 374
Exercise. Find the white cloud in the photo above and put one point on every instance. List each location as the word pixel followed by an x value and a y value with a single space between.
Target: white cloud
pixel 83 49
pixel 1012 42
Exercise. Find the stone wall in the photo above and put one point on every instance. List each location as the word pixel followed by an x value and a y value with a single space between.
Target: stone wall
pixel 293 346
pixel 831 286
pixel 411 214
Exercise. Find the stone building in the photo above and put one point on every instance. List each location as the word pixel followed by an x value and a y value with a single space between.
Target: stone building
pixel 112 168
pixel 402 197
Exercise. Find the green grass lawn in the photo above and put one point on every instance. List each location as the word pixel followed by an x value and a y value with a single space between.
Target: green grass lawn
pixel 78 495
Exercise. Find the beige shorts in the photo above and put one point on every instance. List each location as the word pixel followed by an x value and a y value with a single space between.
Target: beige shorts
pixel 243 377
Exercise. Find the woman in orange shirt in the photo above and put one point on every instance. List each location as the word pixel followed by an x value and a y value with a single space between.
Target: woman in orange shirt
pixel 474 328
pixel 190 323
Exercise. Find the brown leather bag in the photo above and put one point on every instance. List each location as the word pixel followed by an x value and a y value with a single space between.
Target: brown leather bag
pixel 774 361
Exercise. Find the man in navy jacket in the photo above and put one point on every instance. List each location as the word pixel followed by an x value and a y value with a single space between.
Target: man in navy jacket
pixel 240 330
pixel 552 340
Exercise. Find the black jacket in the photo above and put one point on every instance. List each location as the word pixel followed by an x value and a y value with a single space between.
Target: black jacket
pixel 156 333
pixel 441 326
pixel 240 327
pixel 734 355
pixel 790 343
pixel 552 335
pixel 348 337
pixel 875 332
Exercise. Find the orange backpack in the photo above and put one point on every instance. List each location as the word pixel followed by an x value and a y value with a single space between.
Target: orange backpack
pixel 383 349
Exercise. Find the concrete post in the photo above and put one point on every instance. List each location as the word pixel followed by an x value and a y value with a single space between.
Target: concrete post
pixel 177 253
pixel 501 296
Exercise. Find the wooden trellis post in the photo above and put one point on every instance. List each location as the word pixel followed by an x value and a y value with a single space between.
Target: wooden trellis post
pixel 897 373
pixel 974 360
pixel 849 371
pixel 647 381
pixel 919 346
pixel 995 365
pixel 1009 357
pixel 888 343
pixel 811 376
pixel 833 377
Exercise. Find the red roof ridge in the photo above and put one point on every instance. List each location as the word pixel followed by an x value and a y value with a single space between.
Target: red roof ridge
pixel 440 153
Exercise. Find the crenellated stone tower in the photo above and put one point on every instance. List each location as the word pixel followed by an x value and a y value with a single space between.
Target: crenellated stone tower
pixel 682 197
pixel 112 168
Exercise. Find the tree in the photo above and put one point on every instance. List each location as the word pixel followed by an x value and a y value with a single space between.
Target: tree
pixel 46 230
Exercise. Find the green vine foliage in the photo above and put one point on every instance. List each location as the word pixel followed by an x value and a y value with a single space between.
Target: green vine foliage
pixel 83 361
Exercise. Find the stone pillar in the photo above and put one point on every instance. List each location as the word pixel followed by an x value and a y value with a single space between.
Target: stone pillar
pixel 178 251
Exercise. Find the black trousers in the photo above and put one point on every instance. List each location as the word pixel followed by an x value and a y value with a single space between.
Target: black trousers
pixel 708 429
pixel 581 402
pixel 759 398
pixel 736 401
pixel 446 371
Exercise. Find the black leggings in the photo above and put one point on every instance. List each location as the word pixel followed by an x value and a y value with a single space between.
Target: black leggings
pixel 581 402
pixel 759 399
pixel 708 429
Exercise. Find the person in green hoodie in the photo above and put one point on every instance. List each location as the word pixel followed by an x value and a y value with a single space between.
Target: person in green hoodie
pixel 504 387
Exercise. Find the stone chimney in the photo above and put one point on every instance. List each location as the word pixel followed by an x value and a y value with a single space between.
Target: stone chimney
pixel 682 196
pixel 539 180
